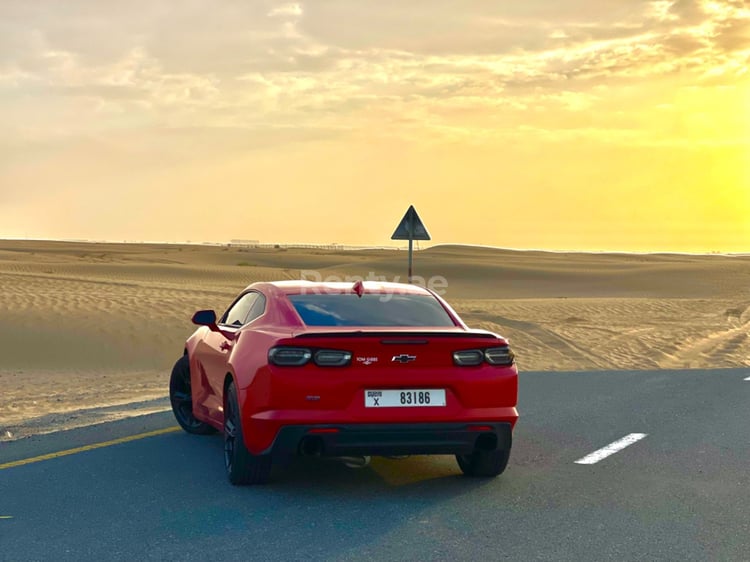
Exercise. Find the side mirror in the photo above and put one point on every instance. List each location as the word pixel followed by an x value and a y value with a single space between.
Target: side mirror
pixel 205 318
pixel 208 318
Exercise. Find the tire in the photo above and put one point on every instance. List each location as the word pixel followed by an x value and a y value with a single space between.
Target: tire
pixel 242 466
pixel 181 398
pixel 487 464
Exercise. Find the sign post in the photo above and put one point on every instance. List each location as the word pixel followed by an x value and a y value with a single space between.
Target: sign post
pixel 411 228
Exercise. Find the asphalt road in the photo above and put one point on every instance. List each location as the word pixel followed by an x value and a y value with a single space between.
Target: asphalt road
pixel 680 493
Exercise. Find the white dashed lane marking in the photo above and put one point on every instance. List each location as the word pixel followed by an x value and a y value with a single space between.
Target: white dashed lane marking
pixel 611 449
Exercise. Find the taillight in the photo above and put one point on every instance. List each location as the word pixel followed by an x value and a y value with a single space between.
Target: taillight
pixel 468 357
pixel 298 356
pixel 332 358
pixel 289 356
pixel 492 355
pixel 499 355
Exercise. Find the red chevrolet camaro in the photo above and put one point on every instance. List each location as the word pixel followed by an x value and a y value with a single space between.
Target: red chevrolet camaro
pixel 341 369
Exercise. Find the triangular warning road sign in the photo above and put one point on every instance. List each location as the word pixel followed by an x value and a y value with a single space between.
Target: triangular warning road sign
pixel 411 227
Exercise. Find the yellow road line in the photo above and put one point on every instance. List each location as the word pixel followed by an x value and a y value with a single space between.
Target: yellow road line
pixel 6 517
pixel 88 447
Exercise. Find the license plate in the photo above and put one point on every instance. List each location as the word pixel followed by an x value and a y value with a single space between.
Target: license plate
pixel 405 398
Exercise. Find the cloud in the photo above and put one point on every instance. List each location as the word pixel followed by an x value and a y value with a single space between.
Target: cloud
pixel 734 36
pixel 447 66
pixel 688 11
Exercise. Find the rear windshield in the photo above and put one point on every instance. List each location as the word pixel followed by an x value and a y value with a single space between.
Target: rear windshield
pixel 370 310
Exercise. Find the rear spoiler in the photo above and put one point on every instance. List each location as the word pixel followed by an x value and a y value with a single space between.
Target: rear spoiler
pixel 398 336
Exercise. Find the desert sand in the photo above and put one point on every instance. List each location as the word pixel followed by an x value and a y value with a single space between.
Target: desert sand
pixel 89 331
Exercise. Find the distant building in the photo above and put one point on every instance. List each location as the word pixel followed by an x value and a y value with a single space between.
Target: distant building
pixel 244 243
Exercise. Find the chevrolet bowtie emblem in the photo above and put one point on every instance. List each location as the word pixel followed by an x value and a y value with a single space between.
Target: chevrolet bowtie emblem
pixel 403 358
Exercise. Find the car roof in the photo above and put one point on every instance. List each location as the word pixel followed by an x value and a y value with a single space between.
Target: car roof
pixel 299 286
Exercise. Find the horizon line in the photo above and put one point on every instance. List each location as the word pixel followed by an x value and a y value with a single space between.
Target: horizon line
pixel 358 247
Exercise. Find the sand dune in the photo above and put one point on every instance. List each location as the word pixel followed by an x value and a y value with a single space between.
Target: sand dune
pixel 86 327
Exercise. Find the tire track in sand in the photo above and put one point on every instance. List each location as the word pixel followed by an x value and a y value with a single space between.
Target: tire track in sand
pixel 546 338
pixel 718 347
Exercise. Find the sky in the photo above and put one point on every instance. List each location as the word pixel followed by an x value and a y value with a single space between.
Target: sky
pixel 555 124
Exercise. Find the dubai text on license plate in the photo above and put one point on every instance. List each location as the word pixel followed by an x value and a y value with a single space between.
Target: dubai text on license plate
pixel 405 398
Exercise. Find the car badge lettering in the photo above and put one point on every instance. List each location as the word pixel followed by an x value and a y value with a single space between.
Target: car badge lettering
pixel 403 358
pixel 367 360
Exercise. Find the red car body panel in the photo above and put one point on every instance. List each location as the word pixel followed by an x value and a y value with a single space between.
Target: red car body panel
pixel 272 397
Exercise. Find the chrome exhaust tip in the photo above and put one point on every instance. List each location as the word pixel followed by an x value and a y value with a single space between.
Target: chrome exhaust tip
pixel 356 462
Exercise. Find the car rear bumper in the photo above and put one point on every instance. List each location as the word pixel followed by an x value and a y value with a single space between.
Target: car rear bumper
pixel 391 439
